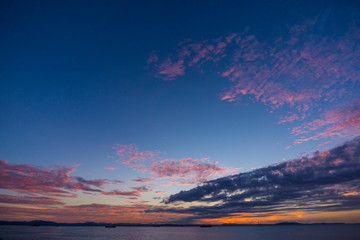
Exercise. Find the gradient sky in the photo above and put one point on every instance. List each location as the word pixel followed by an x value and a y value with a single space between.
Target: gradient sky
pixel 180 111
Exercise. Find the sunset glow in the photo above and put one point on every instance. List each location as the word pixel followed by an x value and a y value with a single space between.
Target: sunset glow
pixel 180 112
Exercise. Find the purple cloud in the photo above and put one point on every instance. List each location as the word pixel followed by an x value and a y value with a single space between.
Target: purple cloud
pixel 304 71
pixel 329 180
pixel 29 199
pixel 341 123
pixel 182 171
pixel 52 180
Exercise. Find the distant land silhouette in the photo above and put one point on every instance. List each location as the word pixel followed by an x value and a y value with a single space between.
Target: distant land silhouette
pixel 102 224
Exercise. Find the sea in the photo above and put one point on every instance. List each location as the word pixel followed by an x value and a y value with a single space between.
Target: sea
pixel 293 232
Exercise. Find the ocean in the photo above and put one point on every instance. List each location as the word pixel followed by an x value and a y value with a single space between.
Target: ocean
pixel 293 232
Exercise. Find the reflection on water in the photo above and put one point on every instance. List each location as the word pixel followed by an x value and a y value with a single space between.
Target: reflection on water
pixel 318 232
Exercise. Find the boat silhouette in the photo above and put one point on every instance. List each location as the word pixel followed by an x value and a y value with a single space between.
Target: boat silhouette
pixel 206 226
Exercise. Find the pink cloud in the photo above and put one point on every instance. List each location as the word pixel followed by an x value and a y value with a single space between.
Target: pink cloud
pixel 188 170
pixel 109 168
pixel 168 70
pixel 183 171
pixel 339 123
pixel 189 54
pixel 28 199
pixel 290 118
pixel 160 192
pixel 304 71
pixel 49 181
pixel 153 58
pixel 115 182
pixel 142 189
pixel 54 180
pixel 144 180
pixel 131 155
pixel 135 193
pixel 117 192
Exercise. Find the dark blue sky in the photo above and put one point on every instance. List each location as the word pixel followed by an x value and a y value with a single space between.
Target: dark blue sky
pixel 79 77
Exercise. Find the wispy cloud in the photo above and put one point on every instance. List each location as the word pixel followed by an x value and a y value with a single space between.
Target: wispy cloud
pixel 160 192
pixel 188 170
pixel 189 54
pixel 299 70
pixel 143 180
pixel 343 122
pixel 182 171
pixel 29 200
pixel 131 155
pixel 311 68
pixel 52 180
pixel 168 69
pixel 328 181
pixel 109 168
pixel 135 193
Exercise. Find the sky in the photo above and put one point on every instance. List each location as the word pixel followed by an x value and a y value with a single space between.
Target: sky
pixel 180 111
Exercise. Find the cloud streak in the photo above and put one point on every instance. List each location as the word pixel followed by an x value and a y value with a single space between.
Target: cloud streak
pixel 29 200
pixel 343 122
pixel 300 70
pixel 313 66
pixel 189 54
pixel 55 180
pixel 135 193
pixel 326 181
pixel 188 170
pixel 143 180
pixel 109 168
pixel 183 171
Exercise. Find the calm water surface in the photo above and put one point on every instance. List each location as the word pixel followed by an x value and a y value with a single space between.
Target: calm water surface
pixel 322 232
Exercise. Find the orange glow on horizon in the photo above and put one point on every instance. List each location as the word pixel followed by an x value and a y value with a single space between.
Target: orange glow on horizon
pixel 283 216
pixel 351 194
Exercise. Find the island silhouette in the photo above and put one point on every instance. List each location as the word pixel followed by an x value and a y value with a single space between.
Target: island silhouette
pixel 38 223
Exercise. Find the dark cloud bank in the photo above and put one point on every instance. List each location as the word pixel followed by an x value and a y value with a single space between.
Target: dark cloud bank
pixel 327 181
